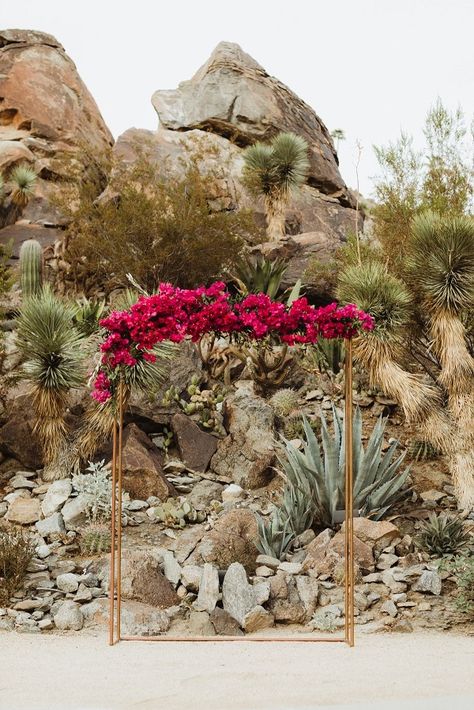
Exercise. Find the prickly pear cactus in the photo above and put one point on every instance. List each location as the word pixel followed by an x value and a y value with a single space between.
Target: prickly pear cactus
pixel 176 514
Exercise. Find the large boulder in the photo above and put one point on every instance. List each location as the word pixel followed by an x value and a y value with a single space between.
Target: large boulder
pixel 248 452
pixel 17 432
pixel 233 96
pixel 196 447
pixel 142 466
pixel 48 119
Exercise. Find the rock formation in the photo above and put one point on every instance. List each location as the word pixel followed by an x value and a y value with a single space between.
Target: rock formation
pixel 49 120
pixel 230 103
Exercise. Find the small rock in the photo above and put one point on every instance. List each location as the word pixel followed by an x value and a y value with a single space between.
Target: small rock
pixel 28 604
pixel 203 493
pixel 432 496
pixel 424 606
pixel 267 561
pixel 305 538
pixel 264 571
pixel 19 481
pixel 51 526
pixel 290 567
pixel 224 624
pixel 69 616
pixel 428 582
pixel 262 591
pixel 171 568
pixel 257 619
pixel 402 626
pixel 200 624
pixel 191 577
pixel 84 594
pixel 328 618
pixel 43 551
pixel 74 511
pixel 386 561
pixel 24 511
pixel 57 495
pixel 137 505
pixel 208 589
pixel 308 593
pixel 46 624
pixel 233 493
pixel 238 596
pixel 388 607
pixel 67 582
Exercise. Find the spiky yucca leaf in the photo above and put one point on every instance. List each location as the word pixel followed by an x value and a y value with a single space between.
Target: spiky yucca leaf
pixel 53 354
pixel 258 172
pixel 441 257
pixel 377 292
pixel 290 160
pixel 23 179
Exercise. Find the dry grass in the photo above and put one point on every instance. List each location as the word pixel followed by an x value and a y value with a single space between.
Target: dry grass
pixel 16 552
pixel 449 342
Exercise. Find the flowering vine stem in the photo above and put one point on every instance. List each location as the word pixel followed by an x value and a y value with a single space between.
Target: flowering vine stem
pixel 174 314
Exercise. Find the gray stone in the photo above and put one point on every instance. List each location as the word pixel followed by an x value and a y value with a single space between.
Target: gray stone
pixel 262 591
pixel 290 567
pixel 308 589
pixel 238 596
pixel 191 577
pixel 74 511
pixel 43 551
pixel 57 495
pixel 46 624
pixel 52 526
pixel 83 594
pixel 203 493
pixel 171 568
pixel 224 624
pixel 200 624
pixel 20 481
pixel 429 582
pixel 68 582
pixel 272 562
pixel 388 607
pixel 69 616
pixel 328 618
pixel 386 561
pixel 264 571
pixel 208 589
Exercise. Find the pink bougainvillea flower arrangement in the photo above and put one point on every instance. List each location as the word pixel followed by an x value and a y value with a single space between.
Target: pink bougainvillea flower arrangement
pixel 174 314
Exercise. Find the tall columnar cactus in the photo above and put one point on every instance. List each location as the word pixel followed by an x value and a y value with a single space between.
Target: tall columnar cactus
pixel 31 268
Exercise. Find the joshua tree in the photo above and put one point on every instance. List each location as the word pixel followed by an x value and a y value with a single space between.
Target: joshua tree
pixel 274 171
pixel 338 135
pixel 428 306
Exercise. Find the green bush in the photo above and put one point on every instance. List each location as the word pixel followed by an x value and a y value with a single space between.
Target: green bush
pixel 442 535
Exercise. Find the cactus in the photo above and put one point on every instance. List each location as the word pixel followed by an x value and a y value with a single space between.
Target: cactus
pixel 175 514
pixel 31 268
pixel 95 539
pixel 284 401
pixel 204 403
pixel 293 427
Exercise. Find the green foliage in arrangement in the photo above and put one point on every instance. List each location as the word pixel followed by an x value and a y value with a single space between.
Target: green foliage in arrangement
pixel 159 227
pixel 256 274
pixel 443 535
pixel 315 479
pixel 31 268
pixel 16 552
pixel 23 181
pixel 88 314
pixel 204 403
pixel 462 569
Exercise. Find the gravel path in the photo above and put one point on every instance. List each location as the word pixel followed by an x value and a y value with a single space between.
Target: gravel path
pixel 382 672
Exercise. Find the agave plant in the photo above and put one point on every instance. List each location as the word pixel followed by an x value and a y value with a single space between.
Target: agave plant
pixel 255 274
pixel 318 471
pixel 23 179
pixel 273 172
pixel 275 535
pixel 88 315
pixel 443 535
pixel 54 353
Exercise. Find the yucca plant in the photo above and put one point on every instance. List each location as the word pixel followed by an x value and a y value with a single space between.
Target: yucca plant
pixel 23 180
pixel 54 353
pixel 441 258
pixel 389 301
pixel 443 535
pixel 256 274
pixel 274 171
pixel 318 471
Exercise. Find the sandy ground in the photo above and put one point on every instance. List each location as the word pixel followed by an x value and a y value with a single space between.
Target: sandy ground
pixel 382 672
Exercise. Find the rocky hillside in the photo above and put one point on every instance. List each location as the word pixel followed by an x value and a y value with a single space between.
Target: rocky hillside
pixel 49 120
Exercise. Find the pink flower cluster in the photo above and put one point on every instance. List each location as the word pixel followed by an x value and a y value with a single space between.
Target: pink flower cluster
pixel 174 314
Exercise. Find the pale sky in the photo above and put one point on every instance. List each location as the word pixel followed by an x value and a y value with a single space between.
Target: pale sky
pixel 370 67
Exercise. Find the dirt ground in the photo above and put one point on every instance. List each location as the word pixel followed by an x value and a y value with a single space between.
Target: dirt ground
pixel 383 671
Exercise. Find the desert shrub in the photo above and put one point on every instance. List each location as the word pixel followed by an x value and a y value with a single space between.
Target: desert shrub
pixel 462 569
pixel 442 535
pixel 96 484
pixel 154 228
pixel 16 552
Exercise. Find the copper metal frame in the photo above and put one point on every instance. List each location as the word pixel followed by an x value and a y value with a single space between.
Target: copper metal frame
pixel 115 583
